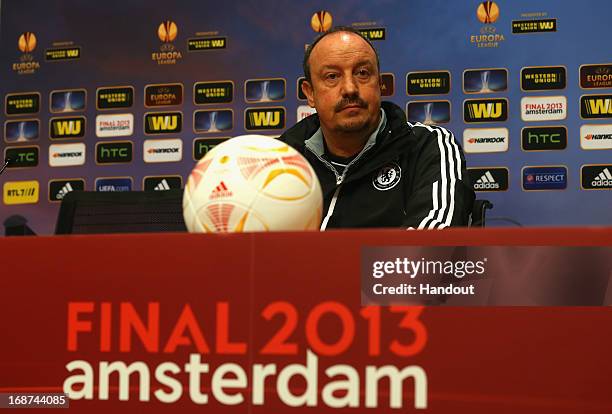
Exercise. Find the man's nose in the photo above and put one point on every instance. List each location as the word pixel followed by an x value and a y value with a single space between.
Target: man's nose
pixel 349 86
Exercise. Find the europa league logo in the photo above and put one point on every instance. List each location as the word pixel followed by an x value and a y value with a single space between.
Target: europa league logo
pixel 167 31
pixel 487 12
pixel 321 21
pixel 27 42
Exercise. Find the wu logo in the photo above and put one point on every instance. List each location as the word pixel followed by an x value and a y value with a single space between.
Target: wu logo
pixel 67 128
pixel 374 33
pixel 163 123
pixel 489 110
pixel 272 118
pixel 547 25
pixel 265 118
pixel 596 106
pixel 599 106
pixel 485 110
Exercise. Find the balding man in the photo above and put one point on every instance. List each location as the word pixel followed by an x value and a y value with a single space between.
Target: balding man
pixel 375 168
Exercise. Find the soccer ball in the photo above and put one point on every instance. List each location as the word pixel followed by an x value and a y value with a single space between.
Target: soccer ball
pixel 252 183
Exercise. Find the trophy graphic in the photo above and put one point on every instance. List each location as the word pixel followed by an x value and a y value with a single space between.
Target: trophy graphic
pixel 213 122
pixel 21 136
pixel 265 91
pixel 428 108
pixel 67 107
pixel 485 75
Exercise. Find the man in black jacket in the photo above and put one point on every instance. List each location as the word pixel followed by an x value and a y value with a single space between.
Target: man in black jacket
pixel 375 169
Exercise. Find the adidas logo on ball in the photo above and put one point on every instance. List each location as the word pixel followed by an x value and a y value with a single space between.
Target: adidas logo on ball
pixel 221 191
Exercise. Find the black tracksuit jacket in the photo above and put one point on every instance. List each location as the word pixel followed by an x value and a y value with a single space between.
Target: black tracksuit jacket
pixel 414 176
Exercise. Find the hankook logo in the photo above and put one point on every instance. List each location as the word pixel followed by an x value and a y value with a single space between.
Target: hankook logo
pixel 66 155
pixel 162 150
pixel 482 140
pixel 596 137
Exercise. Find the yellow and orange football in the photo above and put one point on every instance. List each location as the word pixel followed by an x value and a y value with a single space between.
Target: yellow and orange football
pixel 252 183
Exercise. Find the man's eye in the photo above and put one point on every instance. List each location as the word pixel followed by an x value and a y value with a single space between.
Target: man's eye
pixel 331 76
pixel 364 73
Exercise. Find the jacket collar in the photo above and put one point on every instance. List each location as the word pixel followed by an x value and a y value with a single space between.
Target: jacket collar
pixel 301 132
pixel 316 145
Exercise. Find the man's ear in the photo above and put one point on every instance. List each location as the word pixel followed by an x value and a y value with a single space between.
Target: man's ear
pixel 309 92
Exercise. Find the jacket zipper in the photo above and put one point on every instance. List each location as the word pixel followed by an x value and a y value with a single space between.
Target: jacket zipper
pixel 339 181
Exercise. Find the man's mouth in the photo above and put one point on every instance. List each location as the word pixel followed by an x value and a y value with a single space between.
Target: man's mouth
pixel 351 106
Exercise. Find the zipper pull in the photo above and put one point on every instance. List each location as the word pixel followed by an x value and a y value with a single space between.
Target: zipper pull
pixel 340 179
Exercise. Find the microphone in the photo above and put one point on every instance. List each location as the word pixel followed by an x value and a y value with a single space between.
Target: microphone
pixel 6 163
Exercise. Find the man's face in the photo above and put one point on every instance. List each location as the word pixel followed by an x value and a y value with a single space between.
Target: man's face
pixel 345 83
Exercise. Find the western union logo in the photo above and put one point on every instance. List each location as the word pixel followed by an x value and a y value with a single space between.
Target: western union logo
pixel 485 110
pixel 596 106
pixel 213 92
pixel 163 122
pixel 63 53
pixel 264 118
pixel 67 127
pixel 197 44
pixel 20 192
pixel 19 104
pixel 115 97
pixel 374 33
pixel 534 26
pixel 428 83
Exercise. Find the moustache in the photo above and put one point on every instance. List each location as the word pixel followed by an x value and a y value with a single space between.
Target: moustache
pixel 345 102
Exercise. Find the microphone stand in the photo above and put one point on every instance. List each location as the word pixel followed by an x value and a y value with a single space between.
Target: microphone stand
pixel 6 162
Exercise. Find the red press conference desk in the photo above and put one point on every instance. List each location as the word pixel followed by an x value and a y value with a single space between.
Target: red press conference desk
pixel 272 323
